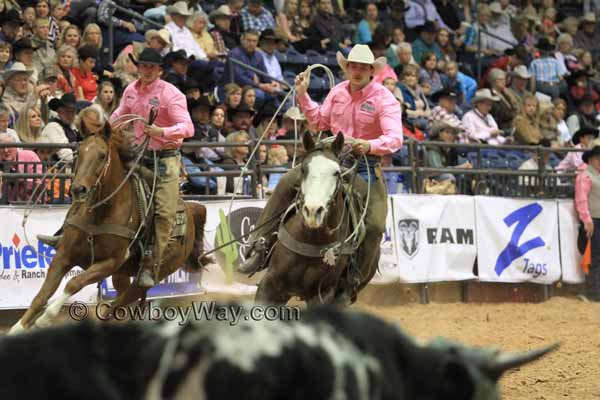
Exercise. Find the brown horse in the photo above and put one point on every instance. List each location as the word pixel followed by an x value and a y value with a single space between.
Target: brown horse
pixel 97 239
pixel 297 265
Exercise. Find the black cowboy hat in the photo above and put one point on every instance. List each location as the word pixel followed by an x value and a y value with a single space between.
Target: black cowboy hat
pixel 586 99
pixel 595 151
pixel 67 100
pixel 269 34
pixel 190 84
pixel 203 101
pixel 179 55
pixel 544 45
pixel 428 26
pixel 580 73
pixel 147 56
pixel 445 92
pixel 582 132
pixel 242 108
pixel 22 44
pixel 11 16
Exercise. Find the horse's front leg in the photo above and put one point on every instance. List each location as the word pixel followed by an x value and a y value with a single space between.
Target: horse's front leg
pixel 94 274
pixel 269 292
pixel 59 266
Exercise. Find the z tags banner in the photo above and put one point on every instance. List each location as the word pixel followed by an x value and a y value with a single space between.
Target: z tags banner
pixel 435 237
pixel 517 240
pixel 569 253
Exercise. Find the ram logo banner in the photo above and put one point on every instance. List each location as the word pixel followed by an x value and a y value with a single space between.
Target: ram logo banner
pixel 409 236
pixel 522 218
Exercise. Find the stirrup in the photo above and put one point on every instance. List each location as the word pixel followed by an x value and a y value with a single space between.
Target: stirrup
pixel 255 257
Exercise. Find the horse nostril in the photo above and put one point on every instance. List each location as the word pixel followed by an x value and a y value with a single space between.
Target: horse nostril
pixel 305 211
pixel 320 211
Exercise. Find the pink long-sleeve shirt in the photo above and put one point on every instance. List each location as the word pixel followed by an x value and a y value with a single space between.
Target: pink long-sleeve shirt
pixel 572 160
pixel 372 114
pixel 583 186
pixel 173 115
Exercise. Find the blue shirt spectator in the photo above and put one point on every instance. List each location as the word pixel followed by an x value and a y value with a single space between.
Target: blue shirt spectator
pixel 255 17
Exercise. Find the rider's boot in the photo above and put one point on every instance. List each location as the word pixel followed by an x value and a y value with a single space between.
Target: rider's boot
pixel 255 256
pixel 50 240
pixel 145 277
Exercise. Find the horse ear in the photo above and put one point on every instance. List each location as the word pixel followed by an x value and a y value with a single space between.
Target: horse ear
pixel 107 130
pixel 308 141
pixel 338 143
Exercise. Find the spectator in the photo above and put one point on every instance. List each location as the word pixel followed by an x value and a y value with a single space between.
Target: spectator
pixel 4 119
pixel 249 97
pixel 58 13
pixel 221 33
pixel 499 25
pixel 585 116
pixel 198 24
pixel 71 36
pixel 567 60
pixel 480 124
pixel 366 27
pixel 426 42
pixel 394 19
pixel 401 58
pixel 531 164
pixel 506 109
pixel 445 111
pixel 549 120
pixel 288 19
pixel 233 96
pixel 66 57
pixel 90 120
pixel 527 125
pixel 268 43
pixel 462 84
pixel 235 7
pixel 124 31
pixel 569 25
pixel 22 161
pixel 586 204
pixel 23 52
pixel 508 9
pixel 449 14
pixel 61 129
pixel 236 156
pixel 42 11
pixel 44 54
pixel 445 44
pixel 159 40
pixel 191 89
pixel 484 14
pixel 444 157
pixel 392 85
pixel 107 97
pixel 278 157
pixel 204 130
pixel 582 139
pixel 179 63
pixel 521 79
pixel 325 30
pixel 181 36
pixel 241 119
pixel 271 132
pixel 247 54
pixel 85 85
pixel 559 112
pixel 17 94
pixel 419 13
pixel 413 99
pixel 513 57
pixel 5 55
pixel 292 120
pixel 30 125
pixel 10 23
pixel 428 73
pixel 255 17
pixel 546 70
pixel 125 69
pixel 588 37
pixel 49 77
pixel 28 16
pixel 217 118
pixel 579 86
pixel 92 36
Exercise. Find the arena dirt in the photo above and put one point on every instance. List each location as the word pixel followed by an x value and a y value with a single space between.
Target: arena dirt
pixel 572 372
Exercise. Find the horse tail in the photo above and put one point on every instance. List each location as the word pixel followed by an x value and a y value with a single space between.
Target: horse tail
pixel 197 259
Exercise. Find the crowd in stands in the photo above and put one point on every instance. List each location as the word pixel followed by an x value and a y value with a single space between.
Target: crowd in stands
pixel 498 73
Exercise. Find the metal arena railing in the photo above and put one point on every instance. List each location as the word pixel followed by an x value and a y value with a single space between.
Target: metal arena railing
pixel 494 172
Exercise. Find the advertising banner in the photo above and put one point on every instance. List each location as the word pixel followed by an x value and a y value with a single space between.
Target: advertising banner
pixel 570 257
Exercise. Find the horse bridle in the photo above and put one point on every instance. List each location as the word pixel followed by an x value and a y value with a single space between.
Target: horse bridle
pixel 102 171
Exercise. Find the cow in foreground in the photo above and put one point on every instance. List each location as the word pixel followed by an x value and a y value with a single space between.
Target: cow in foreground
pixel 327 354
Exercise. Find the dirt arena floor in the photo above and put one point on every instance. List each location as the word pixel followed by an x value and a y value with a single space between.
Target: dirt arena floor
pixel 572 372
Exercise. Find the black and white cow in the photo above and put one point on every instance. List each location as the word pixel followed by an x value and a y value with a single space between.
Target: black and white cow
pixel 328 354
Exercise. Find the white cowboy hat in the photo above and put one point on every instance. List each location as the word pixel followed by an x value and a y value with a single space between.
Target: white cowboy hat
pixel 496 8
pixel 589 17
pixel 16 68
pixel 162 34
pixel 361 53
pixel 294 113
pixel 222 11
pixel 522 72
pixel 484 94
pixel 179 8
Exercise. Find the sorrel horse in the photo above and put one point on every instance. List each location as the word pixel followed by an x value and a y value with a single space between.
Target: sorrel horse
pixel 97 239
pixel 298 265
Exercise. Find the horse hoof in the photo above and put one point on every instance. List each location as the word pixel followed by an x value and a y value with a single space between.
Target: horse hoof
pixel 43 322
pixel 16 329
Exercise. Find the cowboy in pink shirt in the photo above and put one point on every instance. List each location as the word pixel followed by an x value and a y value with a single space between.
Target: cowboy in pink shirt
pixel 361 109
pixel 171 125
pixel 587 204
pixel 581 139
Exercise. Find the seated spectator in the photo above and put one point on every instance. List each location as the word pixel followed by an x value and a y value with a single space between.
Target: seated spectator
pixel 107 97
pixel 400 58
pixel 249 97
pixel 204 131
pixel 588 37
pixel 580 86
pixel 23 53
pixel 499 26
pixel 85 84
pixel 449 14
pixel 520 81
pixel 181 36
pixel 532 164
pixel 159 40
pixel 198 24
pixel 10 24
pixel 241 119
pixel 508 107
pixel 217 119
pixel 527 125
pixel 17 94
pixel 429 74
pixel 49 77
pixel 325 30
pixel 426 42
pixel 549 120
pixel 366 27
pixel 413 99
pixel 15 160
pixel 443 157
pixel 44 53
pixel 90 120
pixel 513 58
pixel 278 157
pixel 462 84
pixel 267 129
pixel 124 31
pixel 28 16
pixel 5 55
pixel 392 85
pixel 472 46
pixel 66 57
pixel 61 129
pixel 191 89
pixel 418 13
pixel 585 116
pixel 480 124
pixel 179 65
pixel 445 44
pixel 567 60
pixel 445 111
pixel 125 69
pixel 71 36
pixel 233 96
pixel 288 19
pixel 582 139
pixel 236 156
pixel 546 70
pixel 559 112
pixel 221 33
pixel 255 17
pixel 268 43
pixel 4 119
pixel 30 125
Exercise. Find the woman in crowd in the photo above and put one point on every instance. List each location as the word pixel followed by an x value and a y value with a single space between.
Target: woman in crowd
pixel 29 125
pixel 107 97
pixel 71 36
pixel 233 96
pixel 508 106
pixel 92 36
pixel 249 96
pixel 428 74
pixel 198 24
pixel 288 20
pixel 5 55
pixel 445 45
pixel 413 99
pixel 85 84
pixel 527 125
pixel 125 69
pixel 235 156
pixel 66 58
pixel 366 27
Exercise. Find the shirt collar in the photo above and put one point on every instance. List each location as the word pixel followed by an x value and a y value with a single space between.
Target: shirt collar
pixel 362 92
pixel 150 87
